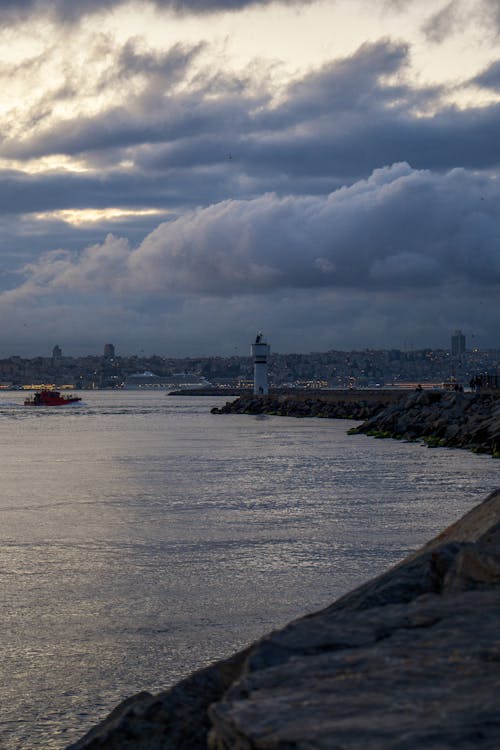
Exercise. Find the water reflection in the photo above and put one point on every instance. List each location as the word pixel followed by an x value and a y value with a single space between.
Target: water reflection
pixel 142 537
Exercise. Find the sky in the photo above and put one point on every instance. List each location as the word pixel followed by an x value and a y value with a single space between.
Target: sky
pixel 177 176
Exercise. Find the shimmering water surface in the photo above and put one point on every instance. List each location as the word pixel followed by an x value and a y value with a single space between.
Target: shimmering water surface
pixel 142 537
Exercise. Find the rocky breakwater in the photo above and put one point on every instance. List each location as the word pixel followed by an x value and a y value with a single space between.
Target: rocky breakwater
pixel 449 419
pixel 347 404
pixel 408 660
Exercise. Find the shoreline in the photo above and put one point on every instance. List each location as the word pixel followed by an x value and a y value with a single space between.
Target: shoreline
pixel 438 418
pixel 342 404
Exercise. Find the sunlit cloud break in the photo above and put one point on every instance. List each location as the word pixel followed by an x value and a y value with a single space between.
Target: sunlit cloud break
pixel 94 215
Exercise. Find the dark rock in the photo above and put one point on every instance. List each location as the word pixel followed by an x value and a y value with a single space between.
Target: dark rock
pixel 357 405
pixel 176 719
pixel 455 420
pixel 421 677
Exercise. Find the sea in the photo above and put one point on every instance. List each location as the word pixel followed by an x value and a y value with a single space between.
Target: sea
pixel 142 537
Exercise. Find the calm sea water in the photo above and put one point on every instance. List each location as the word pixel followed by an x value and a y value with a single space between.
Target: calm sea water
pixel 142 537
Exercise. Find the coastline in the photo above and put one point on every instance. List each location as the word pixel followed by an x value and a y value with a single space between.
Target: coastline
pixel 409 659
pixel 438 418
pixel 341 404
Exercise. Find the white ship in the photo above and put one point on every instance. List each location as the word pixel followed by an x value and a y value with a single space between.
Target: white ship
pixel 142 381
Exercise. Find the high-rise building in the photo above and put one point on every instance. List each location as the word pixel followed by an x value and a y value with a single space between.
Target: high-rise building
pixel 457 343
pixel 56 352
pixel 109 351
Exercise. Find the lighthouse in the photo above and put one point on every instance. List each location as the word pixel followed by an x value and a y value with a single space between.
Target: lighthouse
pixel 260 353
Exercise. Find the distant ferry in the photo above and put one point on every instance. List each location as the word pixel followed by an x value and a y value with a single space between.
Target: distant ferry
pixel 50 398
pixel 149 381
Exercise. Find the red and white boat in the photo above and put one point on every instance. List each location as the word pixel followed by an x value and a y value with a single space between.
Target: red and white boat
pixel 50 398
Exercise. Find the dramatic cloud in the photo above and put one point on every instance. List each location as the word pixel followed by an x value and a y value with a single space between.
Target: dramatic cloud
pixel 150 183
pixel 443 23
pixel 489 78
pixel 450 18
pixel 401 228
pixel 198 146
pixel 70 11
pixel 491 14
pixel 153 111
pixel 404 255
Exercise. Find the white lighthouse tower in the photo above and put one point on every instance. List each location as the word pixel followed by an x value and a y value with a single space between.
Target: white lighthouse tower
pixel 260 353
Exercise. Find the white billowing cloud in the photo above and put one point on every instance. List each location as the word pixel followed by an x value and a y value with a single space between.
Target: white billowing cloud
pixel 399 229
pixel 95 270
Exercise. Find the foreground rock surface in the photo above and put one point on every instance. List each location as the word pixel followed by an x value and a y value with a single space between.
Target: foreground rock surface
pixel 409 660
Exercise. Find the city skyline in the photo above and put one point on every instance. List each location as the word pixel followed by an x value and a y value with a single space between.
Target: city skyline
pixel 333 369
pixel 110 352
pixel 176 179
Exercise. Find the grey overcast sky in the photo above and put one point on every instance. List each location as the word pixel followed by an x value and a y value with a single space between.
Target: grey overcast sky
pixel 176 176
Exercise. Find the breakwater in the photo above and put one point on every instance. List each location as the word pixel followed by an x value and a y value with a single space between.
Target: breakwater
pixel 347 404
pixel 445 419
pixel 409 659
pixel 439 418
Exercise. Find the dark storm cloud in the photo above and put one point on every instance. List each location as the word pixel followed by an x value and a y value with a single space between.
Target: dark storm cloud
pixel 210 6
pixel 185 116
pixel 399 229
pixel 71 10
pixel 348 89
pixel 343 120
pixel 452 17
pixel 353 83
pixel 491 14
pixel 159 72
pixel 170 65
pixel 443 23
pixel 152 113
pixel 402 252
pixel 489 78
pixel 199 146
pixel 151 74
pixel 21 193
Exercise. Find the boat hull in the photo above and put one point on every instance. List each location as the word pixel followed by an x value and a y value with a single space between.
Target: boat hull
pixel 51 398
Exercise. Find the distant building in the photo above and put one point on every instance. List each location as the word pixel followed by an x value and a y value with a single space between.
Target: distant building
pixel 109 351
pixel 56 352
pixel 457 343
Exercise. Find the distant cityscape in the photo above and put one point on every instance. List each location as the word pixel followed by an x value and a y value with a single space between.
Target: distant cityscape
pixel 317 370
